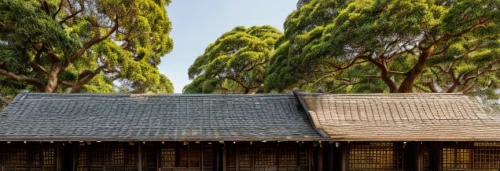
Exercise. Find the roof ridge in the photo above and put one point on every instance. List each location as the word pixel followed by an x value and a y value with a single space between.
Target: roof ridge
pixel 378 94
pixel 156 95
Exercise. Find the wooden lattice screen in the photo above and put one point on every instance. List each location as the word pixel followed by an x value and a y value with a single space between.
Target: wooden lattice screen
pixel 107 156
pixel 186 155
pixel 376 156
pixel 471 156
pixel 30 156
pixel 267 156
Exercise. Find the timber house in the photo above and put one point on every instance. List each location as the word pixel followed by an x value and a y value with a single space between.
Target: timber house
pixel 262 132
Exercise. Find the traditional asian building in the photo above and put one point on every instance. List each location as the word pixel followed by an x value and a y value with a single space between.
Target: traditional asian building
pixel 275 132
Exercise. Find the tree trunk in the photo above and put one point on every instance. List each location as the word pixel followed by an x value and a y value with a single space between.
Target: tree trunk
pixel 407 84
pixel 52 79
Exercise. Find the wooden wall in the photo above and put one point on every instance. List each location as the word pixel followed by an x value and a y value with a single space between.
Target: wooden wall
pixel 246 156
pixel 18 156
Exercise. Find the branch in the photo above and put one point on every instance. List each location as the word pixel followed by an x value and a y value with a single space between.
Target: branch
pixel 385 75
pixel 23 78
pixel 70 16
pixel 67 84
pixel 42 48
pixel 85 78
pixel 4 100
pixel 353 62
pixel 447 37
pixel 38 67
pixel 396 72
pixel 58 9
pixel 92 42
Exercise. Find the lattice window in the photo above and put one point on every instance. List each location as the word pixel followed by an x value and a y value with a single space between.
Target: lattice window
pixel 208 156
pixel 97 156
pixel 265 156
pixel 117 156
pixel 183 153
pixel 375 155
pixel 194 155
pixel 35 156
pixel 426 158
pixel 231 155
pixel 179 155
pixel 287 156
pixel 457 156
pixel 131 156
pixel 83 157
pixel 245 157
pixel 168 157
pixel 486 155
pixel 303 157
pixel 16 156
pixel 48 156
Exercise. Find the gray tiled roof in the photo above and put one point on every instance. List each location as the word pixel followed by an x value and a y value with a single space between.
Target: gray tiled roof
pixel 93 117
pixel 401 117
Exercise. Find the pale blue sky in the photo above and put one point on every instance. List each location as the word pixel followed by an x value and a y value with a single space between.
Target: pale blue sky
pixel 197 23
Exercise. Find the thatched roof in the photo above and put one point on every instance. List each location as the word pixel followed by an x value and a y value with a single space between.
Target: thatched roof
pixel 400 117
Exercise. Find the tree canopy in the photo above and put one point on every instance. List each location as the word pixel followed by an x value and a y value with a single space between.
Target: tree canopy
pixel 235 62
pixel 396 46
pixel 84 45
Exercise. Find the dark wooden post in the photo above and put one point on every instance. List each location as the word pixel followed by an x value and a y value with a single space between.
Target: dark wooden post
pixel 139 153
pixel 202 164
pixel 310 157
pixel 224 158
pixel 217 149
pixel 58 156
pixel 439 151
pixel 320 156
pixel 419 152
pixel 237 156
pixel 75 152
pixel 345 158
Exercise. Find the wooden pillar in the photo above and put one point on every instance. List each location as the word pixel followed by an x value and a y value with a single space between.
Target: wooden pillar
pixel 330 157
pixel 139 153
pixel 419 153
pixel 237 157
pixel 224 158
pixel 217 150
pixel 158 148
pixel 58 156
pixel 439 152
pixel 202 164
pixel 74 151
pixel 345 151
pixel 320 157
pixel 309 157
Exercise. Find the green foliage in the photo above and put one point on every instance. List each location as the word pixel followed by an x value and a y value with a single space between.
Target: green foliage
pixel 396 46
pixel 85 45
pixel 235 62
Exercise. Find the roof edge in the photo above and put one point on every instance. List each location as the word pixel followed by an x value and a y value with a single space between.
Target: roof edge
pixel 312 119
pixel 20 96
